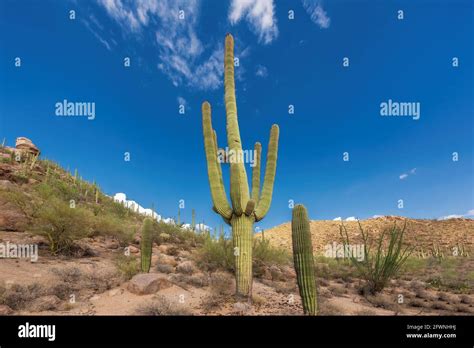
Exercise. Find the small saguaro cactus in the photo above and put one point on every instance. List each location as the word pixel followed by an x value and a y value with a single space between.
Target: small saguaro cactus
pixel 303 259
pixel 146 244
pixel 247 207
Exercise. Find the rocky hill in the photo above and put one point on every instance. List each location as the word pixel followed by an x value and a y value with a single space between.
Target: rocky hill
pixel 426 235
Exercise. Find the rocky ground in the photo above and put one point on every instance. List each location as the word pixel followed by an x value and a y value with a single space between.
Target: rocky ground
pixel 97 285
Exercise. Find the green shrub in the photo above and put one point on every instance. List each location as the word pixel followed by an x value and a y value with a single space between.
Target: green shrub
pixel 62 225
pixel 215 254
pixel 380 265
pixel 107 224
pixel 265 253
pixel 128 266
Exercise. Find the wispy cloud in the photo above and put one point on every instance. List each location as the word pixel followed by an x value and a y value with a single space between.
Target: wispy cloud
pixel 94 26
pixel 403 176
pixel 182 101
pixel 173 23
pixel 260 14
pixel 261 71
pixel 315 10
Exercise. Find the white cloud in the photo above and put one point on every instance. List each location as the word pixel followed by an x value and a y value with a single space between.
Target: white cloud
pixel 260 14
pixel 458 216
pixel 337 219
pixel 317 13
pixel 93 25
pixel 377 216
pixel 351 218
pixel 452 216
pixel 182 101
pixel 122 198
pixel 403 176
pixel 261 71
pixel 181 53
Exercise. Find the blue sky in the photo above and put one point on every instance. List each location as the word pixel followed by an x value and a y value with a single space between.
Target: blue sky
pixel 282 62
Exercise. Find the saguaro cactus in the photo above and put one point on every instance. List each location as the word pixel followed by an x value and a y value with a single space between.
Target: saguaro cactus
pixel 303 259
pixel 146 244
pixel 247 207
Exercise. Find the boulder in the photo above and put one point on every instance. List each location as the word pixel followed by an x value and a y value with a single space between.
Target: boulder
pixel 11 218
pixel 148 283
pixel 5 310
pixel 45 303
pixel 25 145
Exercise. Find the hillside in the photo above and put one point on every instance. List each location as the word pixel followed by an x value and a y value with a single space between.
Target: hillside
pixel 89 251
pixel 426 235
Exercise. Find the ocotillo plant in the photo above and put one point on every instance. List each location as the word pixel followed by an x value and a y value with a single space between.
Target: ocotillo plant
pixel 303 259
pixel 146 244
pixel 247 208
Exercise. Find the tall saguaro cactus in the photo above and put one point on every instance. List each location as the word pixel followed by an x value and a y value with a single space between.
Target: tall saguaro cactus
pixel 303 259
pixel 247 207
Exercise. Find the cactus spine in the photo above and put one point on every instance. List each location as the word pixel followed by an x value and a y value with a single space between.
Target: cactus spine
pixel 303 259
pixel 247 207
pixel 146 245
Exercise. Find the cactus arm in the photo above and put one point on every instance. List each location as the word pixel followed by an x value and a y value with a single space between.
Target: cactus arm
pixel 266 197
pixel 218 194
pixel 239 195
pixel 256 172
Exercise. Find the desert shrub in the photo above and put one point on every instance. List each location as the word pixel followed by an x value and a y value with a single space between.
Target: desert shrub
pixel 265 253
pixel 62 225
pixel 18 296
pixel 127 266
pixel 77 280
pixel 215 254
pixel 106 224
pixel 380 265
pixel 164 268
pixel 160 305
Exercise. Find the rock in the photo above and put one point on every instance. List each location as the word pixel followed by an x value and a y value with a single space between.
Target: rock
pixel 25 145
pixel 115 292
pixel 133 249
pixel 112 244
pixel 44 303
pixel 5 310
pixel 6 184
pixel 167 260
pixel 95 298
pixel 276 273
pixel 11 219
pixel 148 283
pixel 186 267
pixel 242 308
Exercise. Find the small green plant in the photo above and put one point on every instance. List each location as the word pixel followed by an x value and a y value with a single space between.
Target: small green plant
pixel 128 266
pixel 380 265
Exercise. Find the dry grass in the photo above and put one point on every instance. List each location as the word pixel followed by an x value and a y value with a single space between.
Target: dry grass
pixel 161 306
